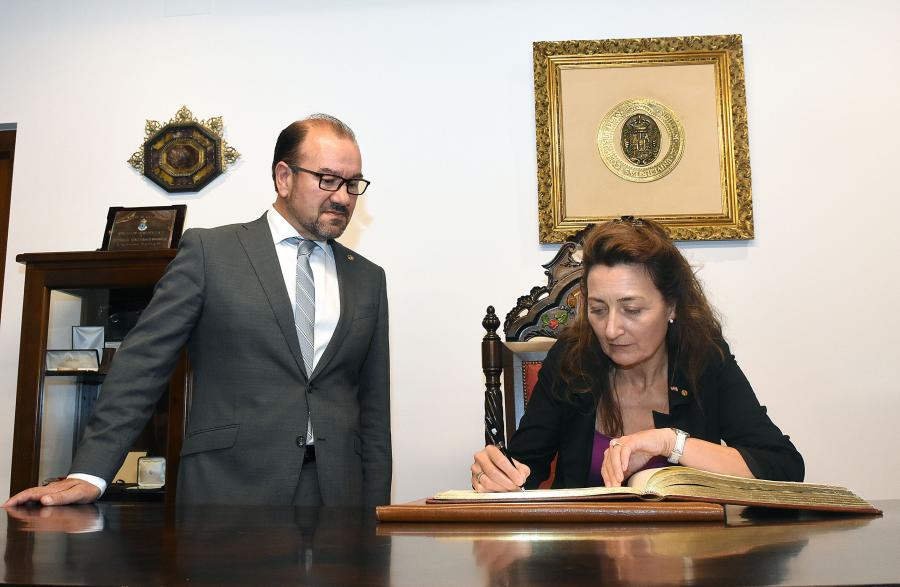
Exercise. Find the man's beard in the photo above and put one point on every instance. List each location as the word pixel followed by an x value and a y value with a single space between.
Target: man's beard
pixel 328 229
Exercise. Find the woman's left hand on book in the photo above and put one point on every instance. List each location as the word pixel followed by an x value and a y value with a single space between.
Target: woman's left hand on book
pixel 628 454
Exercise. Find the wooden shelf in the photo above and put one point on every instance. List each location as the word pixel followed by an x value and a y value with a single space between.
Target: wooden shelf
pixel 70 271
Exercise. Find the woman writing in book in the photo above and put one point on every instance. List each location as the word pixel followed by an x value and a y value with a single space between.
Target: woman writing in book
pixel 641 379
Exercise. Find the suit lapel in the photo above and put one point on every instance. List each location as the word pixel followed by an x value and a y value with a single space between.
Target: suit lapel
pixel 346 269
pixel 256 238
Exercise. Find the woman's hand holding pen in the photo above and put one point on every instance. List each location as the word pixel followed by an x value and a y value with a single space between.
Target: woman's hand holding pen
pixel 494 471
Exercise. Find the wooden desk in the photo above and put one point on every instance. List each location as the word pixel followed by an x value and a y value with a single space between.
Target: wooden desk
pixel 154 544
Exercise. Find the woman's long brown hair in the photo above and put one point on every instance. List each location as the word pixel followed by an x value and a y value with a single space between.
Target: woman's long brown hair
pixel 690 341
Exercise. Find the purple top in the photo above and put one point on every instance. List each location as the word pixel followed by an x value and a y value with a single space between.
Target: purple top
pixel 601 443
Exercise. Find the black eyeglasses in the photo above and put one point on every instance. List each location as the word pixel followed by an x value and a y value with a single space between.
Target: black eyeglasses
pixel 329 182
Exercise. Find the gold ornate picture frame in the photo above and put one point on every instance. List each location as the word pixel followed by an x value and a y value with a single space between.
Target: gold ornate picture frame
pixel 654 128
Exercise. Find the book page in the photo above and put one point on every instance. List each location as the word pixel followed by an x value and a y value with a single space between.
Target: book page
pixel 641 479
pixel 637 486
pixel 538 494
pixel 688 483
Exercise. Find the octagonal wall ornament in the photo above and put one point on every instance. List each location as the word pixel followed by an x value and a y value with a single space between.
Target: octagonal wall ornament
pixel 184 154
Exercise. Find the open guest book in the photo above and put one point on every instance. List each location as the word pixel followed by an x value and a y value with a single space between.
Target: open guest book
pixel 679 484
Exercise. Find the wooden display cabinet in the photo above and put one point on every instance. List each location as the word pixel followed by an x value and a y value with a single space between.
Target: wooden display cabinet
pixel 100 280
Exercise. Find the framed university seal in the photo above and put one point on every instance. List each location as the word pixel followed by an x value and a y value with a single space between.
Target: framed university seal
pixel 654 128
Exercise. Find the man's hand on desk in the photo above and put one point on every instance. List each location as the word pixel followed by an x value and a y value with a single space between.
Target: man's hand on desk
pixel 57 493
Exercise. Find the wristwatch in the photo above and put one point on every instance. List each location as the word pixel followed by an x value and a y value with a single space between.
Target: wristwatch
pixel 680 438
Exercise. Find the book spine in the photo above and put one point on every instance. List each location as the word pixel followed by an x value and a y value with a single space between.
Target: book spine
pixel 553 512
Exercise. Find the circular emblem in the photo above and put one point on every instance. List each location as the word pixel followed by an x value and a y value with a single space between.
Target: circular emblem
pixel 142 225
pixel 640 140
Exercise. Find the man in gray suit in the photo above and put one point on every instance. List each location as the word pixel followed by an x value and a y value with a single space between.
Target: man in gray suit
pixel 287 334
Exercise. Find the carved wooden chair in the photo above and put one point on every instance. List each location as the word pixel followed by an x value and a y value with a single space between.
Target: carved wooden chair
pixel 529 330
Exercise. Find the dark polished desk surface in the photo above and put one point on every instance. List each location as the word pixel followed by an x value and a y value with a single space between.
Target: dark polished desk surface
pixel 149 544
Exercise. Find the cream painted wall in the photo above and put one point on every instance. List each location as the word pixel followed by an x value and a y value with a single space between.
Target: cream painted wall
pixel 441 96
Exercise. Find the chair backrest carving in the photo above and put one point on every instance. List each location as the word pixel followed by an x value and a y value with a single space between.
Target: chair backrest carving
pixel 547 309
pixel 528 333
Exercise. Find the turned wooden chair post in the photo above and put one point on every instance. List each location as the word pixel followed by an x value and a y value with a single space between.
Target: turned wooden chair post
pixel 492 366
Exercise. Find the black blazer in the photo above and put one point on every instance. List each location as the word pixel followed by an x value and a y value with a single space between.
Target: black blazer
pixel 723 407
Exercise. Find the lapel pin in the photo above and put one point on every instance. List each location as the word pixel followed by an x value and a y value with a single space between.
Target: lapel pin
pixel 349 257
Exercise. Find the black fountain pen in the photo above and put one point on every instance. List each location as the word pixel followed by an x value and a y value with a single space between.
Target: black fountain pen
pixel 502 448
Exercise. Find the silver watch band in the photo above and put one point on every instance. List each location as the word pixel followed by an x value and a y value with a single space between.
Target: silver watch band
pixel 678 450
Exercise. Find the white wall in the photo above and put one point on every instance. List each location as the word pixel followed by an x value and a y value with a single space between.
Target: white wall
pixel 441 96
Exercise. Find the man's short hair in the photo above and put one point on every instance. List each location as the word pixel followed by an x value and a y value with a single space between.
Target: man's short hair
pixel 290 140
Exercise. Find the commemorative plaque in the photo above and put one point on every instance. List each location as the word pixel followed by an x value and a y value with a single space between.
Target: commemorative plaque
pixel 147 228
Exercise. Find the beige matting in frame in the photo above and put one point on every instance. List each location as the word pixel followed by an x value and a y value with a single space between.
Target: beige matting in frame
pixel 654 128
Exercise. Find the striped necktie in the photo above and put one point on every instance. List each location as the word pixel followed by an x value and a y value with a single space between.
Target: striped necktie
pixel 305 304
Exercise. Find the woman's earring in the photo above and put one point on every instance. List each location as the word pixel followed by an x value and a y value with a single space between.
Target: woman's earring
pixel 671 320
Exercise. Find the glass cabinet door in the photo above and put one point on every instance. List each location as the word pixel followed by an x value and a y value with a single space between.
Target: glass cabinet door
pixel 85 328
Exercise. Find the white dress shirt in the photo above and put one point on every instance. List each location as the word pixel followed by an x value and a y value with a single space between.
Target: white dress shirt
pixel 328 297
pixel 321 261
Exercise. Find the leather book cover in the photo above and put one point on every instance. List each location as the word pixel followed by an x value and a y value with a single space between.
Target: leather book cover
pixel 619 511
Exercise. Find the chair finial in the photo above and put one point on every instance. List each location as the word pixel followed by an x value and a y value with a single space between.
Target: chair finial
pixel 491 323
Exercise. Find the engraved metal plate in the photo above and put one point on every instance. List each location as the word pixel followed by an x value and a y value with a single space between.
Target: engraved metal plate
pixel 640 140
pixel 143 228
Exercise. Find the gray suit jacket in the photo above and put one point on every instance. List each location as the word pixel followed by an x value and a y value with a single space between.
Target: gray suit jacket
pixel 224 297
